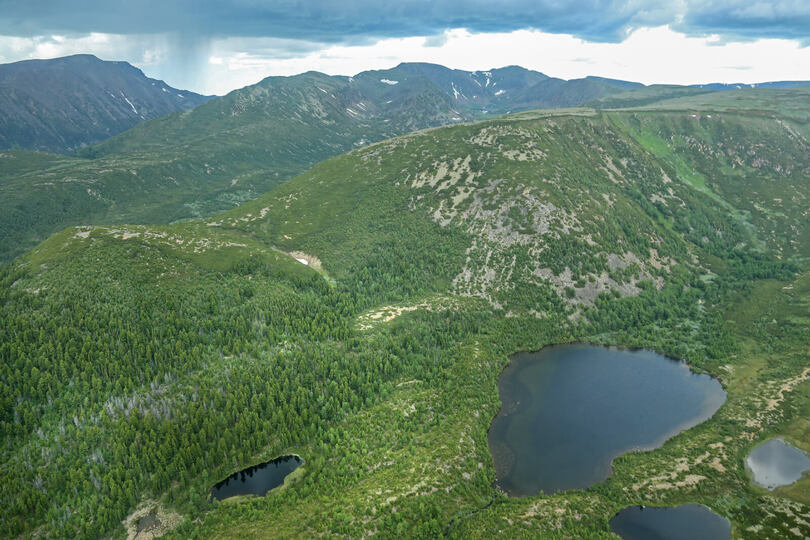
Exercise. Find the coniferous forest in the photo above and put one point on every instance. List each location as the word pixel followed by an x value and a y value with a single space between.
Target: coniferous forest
pixel 359 315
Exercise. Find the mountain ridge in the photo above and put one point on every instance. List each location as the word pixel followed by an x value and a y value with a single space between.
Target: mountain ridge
pixel 740 86
pixel 63 104
pixel 235 147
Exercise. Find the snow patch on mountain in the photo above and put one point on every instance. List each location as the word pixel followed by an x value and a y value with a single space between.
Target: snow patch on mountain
pixel 130 103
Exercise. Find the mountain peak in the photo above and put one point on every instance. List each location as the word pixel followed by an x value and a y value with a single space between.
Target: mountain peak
pixel 62 104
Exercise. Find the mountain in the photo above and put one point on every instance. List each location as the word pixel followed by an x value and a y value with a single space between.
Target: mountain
pixel 409 96
pixel 359 314
pixel 639 97
pixel 233 148
pixel 477 90
pixel 555 93
pixel 197 162
pixel 646 95
pixel 740 86
pixel 502 90
pixel 624 85
pixel 64 104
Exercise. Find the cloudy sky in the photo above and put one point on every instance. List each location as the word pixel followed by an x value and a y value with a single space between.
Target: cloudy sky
pixel 217 46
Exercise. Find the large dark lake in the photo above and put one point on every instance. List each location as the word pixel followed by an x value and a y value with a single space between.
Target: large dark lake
pixel 568 410
pixel 687 522
pixel 257 480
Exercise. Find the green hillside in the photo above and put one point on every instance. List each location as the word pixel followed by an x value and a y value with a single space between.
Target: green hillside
pixel 142 364
pixel 191 164
pixel 789 103
pixel 236 147
pixel 639 97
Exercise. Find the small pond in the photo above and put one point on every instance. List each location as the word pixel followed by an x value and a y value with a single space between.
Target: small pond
pixel 568 410
pixel 776 463
pixel 687 522
pixel 257 480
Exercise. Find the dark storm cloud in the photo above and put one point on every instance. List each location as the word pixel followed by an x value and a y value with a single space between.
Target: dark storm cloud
pixel 326 20
pixel 749 19
pixel 353 21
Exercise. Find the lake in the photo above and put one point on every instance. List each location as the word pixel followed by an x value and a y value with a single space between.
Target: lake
pixel 256 480
pixel 776 463
pixel 687 522
pixel 569 410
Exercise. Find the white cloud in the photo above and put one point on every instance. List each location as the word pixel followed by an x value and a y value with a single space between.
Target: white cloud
pixel 149 51
pixel 648 55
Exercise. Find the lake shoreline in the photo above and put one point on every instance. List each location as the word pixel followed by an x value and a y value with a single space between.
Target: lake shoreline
pixel 579 352
pixel 240 477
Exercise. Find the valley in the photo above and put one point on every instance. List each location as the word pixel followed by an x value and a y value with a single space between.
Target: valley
pixel 144 363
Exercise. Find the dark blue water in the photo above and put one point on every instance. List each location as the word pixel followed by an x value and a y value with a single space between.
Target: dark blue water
pixel 688 522
pixel 257 480
pixel 775 463
pixel 569 410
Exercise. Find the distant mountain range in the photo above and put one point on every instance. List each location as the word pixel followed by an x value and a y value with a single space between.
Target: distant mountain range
pixel 740 86
pixel 501 90
pixel 233 148
pixel 333 114
pixel 64 104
